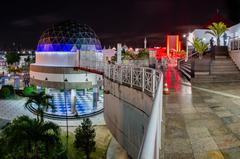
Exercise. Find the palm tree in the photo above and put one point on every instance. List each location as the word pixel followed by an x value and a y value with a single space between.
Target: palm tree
pixel 199 46
pixel 42 101
pixel 216 30
pixel 29 138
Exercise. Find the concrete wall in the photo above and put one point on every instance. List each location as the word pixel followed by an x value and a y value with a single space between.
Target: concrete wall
pixel 201 65
pixel 126 112
pixel 235 55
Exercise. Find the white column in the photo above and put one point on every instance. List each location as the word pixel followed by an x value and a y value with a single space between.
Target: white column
pixel 73 100
pixel 145 43
pixel 47 90
pixel 119 53
pixel 95 95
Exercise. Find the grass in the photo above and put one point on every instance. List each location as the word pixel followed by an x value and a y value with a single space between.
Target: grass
pixel 102 141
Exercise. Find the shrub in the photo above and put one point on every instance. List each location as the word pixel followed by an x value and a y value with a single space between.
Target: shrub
pixel 11 89
pixel 5 92
pixel 28 91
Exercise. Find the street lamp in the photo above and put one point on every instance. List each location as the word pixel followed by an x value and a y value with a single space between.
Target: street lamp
pixel 186 36
pixel 46 79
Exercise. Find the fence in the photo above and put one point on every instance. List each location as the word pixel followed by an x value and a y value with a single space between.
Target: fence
pixel 150 82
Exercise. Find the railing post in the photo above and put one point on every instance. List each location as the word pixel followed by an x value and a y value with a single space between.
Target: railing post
pixel 113 74
pixel 238 40
pixel 120 79
pixel 109 71
pixel 131 76
pixel 143 79
pixel 154 82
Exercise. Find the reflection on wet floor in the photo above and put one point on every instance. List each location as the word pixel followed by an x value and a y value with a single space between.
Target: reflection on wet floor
pixel 201 123
pixel 172 79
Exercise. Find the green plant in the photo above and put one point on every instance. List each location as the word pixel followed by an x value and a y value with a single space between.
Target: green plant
pixel 84 138
pixel 28 138
pixel 143 54
pixel 12 69
pixel 5 92
pixel 199 46
pixel 216 30
pixel 42 102
pixel 12 57
pixel 28 91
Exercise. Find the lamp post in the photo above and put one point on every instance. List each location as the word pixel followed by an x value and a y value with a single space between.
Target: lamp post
pixel 46 79
pixel 65 100
pixel 186 37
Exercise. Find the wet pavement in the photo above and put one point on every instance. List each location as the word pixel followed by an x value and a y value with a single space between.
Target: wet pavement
pixel 202 121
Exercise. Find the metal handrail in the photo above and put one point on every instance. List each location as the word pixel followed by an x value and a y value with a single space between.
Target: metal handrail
pixel 188 56
pixel 147 80
pixel 151 144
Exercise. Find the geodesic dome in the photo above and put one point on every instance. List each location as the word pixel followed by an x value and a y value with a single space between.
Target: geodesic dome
pixel 68 36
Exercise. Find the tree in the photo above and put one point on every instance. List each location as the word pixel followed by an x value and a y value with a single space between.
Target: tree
pixel 28 138
pixel 14 70
pixel 42 101
pixel 216 30
pixel 199 46
pixel 143 54
pixel 12 57
pixel 128 55
pixel 84 138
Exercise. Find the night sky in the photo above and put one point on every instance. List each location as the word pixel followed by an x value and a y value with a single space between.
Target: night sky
pixel 123 21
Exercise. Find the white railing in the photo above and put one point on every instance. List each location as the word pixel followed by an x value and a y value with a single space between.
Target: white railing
pixel 152 141
pixel 150 82
pixel 234 44
pixel 142 78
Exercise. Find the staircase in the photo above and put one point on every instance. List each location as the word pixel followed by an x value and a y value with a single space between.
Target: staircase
pixel 222 69
pixel 185 68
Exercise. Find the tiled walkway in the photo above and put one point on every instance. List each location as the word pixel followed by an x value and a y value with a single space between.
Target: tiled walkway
pixel 202 122
pixel 10 109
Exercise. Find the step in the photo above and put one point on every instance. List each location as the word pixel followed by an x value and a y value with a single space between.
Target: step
pixel 216 78
pixel 222 66
pixel 186 74
pixel 221 57
pixel 223 62
pixel 224 72
pixel 187 66
pixel 224 69
pixel 187 70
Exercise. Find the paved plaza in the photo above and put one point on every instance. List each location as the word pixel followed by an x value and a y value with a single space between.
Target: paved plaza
pixel 202 121
pixel 10 109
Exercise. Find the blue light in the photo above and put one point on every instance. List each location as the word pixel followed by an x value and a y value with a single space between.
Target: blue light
pixel 55 47
pixel 66 47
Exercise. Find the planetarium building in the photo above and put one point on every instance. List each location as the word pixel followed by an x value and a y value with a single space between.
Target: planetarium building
pixel 62 51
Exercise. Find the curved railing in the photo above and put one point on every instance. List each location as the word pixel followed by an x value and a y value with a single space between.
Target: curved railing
pixel 147 80
pixel 141 78
pixel 150 82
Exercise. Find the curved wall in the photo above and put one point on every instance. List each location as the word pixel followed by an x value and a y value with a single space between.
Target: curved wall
pixel 126 112
pixel 57 58
pixel 56 75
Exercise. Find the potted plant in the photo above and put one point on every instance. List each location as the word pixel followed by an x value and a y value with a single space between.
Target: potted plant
pixel 199 46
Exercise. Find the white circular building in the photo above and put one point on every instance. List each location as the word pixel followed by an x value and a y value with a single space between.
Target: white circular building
pixel 62 51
